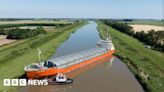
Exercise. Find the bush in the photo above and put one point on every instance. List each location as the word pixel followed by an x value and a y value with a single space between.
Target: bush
pixel 4 32
pixel 17 33
pixel 33 24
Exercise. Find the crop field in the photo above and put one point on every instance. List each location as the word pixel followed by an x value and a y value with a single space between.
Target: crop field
pixel 138 58
pixel 47 25
pixel 145 28
pixel 34 22
pixel 147 22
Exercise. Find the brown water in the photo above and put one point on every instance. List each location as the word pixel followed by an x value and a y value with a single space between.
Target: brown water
pixel 107 75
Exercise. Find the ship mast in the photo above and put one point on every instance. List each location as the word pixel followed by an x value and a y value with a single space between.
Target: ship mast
pixel 107 37
pixel 39 52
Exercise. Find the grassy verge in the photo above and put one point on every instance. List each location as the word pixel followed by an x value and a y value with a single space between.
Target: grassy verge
pixel 15 56
pixel 141 61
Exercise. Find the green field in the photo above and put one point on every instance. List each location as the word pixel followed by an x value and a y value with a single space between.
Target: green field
pixel 138 59
pixel 35 22
pixel 147 22
pixel 15 56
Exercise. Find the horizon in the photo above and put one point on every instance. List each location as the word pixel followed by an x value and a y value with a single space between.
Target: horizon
pixel 93 9
pixel 42 18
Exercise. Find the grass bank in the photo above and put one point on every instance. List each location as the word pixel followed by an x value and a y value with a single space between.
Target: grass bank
pixel 147 65
pixel 15 56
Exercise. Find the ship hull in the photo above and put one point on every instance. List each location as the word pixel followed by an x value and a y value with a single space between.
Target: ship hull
pixel 53 71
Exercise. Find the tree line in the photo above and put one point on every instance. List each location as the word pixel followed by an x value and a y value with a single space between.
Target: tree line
pixel 18 33
pixel 33 24
pixel 152 38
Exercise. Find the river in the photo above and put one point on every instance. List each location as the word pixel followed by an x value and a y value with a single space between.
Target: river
pixel 107 75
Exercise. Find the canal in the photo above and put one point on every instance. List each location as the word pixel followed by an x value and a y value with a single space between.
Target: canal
pixel 108 75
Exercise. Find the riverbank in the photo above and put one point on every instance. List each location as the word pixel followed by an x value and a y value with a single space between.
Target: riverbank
pixel 16 55
pixel 147 65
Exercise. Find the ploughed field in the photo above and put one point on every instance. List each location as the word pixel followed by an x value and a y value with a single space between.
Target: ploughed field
pixel 146 28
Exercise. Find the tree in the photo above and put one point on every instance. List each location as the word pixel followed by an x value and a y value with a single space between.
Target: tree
pixel 24 33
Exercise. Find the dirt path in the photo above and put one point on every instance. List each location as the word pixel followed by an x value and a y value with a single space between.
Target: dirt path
pixel 4 41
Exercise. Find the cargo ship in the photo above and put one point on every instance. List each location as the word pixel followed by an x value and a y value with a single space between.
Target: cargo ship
pixel 67 63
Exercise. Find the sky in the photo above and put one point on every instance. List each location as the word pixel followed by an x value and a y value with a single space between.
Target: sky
pixel 139 9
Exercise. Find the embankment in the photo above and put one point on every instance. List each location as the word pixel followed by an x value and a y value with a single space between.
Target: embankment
pixel 147 65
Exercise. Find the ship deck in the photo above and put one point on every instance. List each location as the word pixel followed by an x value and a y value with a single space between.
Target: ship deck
pixel 71 59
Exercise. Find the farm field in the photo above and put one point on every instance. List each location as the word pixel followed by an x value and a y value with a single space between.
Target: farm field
pixel 31 24
pixel 147 22
pixel 50 25
pixel 34 22
pixel 145 28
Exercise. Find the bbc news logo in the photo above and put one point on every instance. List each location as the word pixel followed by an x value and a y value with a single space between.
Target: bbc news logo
pixel 23 82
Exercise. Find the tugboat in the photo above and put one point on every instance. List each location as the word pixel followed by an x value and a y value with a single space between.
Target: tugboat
pixel 60 79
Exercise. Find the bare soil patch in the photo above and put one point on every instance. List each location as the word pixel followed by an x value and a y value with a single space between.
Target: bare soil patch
pixel 4 41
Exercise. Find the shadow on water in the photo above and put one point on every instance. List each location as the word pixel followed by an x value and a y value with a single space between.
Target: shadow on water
pixel 23 77
pixel 82 70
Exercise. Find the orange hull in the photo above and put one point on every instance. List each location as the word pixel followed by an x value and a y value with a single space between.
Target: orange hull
pixel 54 71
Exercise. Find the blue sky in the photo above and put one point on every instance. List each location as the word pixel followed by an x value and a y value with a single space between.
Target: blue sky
pixel 142 9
